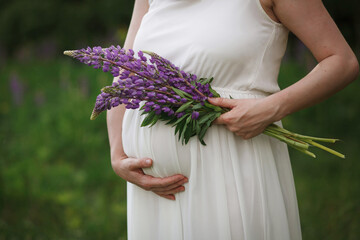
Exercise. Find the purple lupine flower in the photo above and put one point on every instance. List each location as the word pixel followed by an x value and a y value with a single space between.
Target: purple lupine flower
pixel 180 114
pixel 147 109
pixel 166 109
pixel 150 94
pixel 171 112
pixel 141 80
pixel 165 89
pixel 17 89
pixel 195 115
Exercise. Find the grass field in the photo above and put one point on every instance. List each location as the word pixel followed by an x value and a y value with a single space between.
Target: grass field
pixel 56 180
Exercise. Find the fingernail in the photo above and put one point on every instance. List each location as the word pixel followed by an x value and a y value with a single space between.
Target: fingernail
pixel 148 161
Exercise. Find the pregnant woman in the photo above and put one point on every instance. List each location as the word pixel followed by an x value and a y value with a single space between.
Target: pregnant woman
pixel 239 186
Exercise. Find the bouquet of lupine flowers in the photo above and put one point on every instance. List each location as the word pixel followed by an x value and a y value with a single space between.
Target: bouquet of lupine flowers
pixel 169 94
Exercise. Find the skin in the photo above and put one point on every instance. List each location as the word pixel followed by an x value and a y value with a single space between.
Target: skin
pixel 127 167
pixel 337 67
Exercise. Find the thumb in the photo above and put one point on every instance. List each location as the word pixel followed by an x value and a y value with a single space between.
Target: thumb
pixel 222 102
pixel 220 119
pixel 141 163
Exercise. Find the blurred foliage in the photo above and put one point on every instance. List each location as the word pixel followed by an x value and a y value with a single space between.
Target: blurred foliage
pixel 56 180
pixel 66 22
pixel 346 16
pixel 56 177
pixel 328 188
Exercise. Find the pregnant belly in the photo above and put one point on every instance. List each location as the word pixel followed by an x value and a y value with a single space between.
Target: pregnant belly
pixel 158 143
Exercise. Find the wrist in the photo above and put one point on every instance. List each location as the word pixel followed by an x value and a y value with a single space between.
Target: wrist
pixel 118 156
pixel 279 103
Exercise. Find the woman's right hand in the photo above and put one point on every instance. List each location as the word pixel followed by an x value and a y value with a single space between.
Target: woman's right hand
pixel 130 169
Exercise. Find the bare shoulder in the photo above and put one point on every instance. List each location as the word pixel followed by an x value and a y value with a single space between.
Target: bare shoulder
pixel 312 24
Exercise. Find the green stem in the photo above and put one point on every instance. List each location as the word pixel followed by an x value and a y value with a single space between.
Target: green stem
pixel 280 129
pixel 304 151
pixel 315 144
pixel 216 108
pixel 286 140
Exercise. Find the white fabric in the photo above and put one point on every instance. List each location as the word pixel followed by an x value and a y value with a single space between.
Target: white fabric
pixel 237 189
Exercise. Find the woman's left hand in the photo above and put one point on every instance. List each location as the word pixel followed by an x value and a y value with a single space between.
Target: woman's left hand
pixel 247 117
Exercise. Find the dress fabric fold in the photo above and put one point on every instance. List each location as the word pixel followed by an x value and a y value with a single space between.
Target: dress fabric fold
pixel 237 189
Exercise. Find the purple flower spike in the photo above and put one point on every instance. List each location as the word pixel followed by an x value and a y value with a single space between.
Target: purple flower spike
pixel 195 115
pixel 171 112
pixel 166 109
pixel 180 114
pixel 142 80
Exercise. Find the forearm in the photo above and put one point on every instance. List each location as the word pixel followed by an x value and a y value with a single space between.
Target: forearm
pixel 330 76
pixel 338 66
pixel 115 115
pixel 114 124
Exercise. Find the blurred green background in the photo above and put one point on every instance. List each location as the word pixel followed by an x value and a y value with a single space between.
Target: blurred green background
pixel 56 181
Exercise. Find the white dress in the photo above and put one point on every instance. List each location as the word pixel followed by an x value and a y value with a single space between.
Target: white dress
pixel 237 189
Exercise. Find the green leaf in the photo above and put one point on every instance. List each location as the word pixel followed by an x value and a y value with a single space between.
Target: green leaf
pixel 189 132
pixel 181 93
pixel 154 120
pixel 202 80
pixel 215 93
pixel 180 124
pixel 201 135
pixel 184 106
pixel 171 121
pixel 165 117
pixel 186 125
pixel 207 80
pixel 197 127
pixel 206 117
pixel 180 119
pixel 193 82
pixel 178 127
pixel 197 106
pixel 216 108
pixel 201 130
pixel 215 117
pixel 142 108
pixel 178 92
pixel 148 119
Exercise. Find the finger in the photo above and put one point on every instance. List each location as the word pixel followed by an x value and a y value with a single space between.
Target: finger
pixel 135 163
pixel 172 191
pixel 222 102
pixel 252 134
pixel 171 187
pixel 170 196
pixel 149 182
pixel 223 118
pixel 240 134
